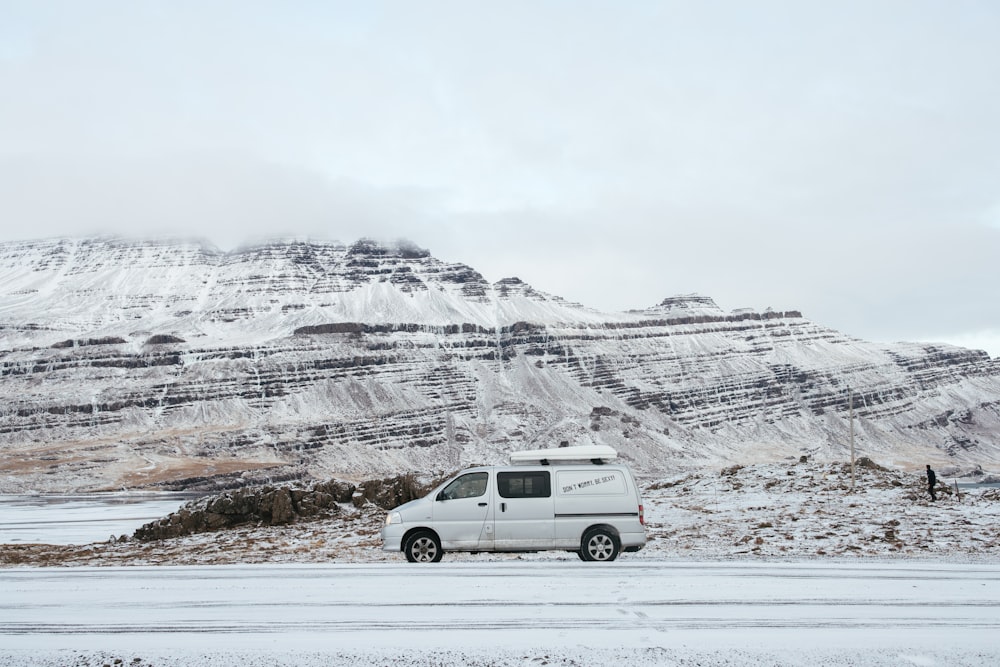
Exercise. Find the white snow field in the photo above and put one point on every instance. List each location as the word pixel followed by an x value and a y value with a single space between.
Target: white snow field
pixel 504 613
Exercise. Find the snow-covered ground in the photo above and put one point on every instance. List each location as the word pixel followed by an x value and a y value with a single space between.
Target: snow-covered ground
pixel 771 564
pixel 505 613
pixel 781 510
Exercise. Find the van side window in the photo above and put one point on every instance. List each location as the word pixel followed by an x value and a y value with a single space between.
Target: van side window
pixel 524 484
pixel 472 485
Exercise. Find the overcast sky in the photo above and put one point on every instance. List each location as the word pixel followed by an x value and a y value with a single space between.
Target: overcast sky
pixel 839 158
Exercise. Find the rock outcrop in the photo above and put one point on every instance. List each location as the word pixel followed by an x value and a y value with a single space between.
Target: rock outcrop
pixel 274 505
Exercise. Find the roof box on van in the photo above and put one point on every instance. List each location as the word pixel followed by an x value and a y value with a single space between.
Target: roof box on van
pixel 583 453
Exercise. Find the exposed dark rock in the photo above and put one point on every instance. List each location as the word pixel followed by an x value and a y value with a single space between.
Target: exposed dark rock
pixel 164 339
pixel 688 301
pixel 278 505
pixel 865 462
pixel 389 492
pixel 231 481
pixel 332 328
pixel 369 247
pixel 108 340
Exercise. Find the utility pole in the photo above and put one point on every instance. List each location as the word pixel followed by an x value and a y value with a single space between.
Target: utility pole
pixel 850 399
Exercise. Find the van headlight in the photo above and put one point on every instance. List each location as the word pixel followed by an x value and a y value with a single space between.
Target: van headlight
pixel 393 517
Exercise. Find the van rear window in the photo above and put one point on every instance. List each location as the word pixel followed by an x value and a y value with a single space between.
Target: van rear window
pixel 587 483
pixel 524 484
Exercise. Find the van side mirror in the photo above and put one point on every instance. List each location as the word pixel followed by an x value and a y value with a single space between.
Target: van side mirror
pixel 441 497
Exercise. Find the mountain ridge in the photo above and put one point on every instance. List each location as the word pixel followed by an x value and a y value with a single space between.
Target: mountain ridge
pixel 163 364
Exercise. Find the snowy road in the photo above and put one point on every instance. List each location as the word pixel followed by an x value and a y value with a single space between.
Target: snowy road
pixel 655 611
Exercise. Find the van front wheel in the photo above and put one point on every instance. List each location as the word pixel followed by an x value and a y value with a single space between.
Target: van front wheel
pixel 599 545
pixel 423 547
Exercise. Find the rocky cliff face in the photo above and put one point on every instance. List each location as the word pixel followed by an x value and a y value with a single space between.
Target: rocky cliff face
pixel 170 364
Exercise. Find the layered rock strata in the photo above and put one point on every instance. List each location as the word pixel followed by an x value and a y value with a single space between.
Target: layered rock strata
pixel 174 365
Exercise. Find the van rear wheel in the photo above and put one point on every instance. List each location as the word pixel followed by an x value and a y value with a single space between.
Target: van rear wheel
pixel 423 547
pixel 599 545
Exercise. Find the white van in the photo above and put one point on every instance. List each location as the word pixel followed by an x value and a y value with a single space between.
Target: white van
pixel 570 498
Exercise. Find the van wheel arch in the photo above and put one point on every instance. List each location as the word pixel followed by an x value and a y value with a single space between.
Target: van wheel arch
pixel 600 543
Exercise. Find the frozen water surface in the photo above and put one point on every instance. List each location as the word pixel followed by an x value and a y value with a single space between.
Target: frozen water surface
pixel 80 519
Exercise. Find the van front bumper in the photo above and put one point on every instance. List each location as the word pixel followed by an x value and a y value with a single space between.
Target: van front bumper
pixel 392 537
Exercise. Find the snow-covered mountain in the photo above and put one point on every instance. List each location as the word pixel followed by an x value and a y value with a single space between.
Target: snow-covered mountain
pixel 166 363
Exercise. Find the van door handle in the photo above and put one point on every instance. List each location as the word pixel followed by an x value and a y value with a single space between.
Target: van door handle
pixel 482 504
pixel 503 507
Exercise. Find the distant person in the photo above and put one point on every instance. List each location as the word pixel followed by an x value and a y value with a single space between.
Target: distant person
pixel 931 481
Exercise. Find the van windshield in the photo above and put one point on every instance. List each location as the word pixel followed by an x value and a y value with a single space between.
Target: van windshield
pixel 471 485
